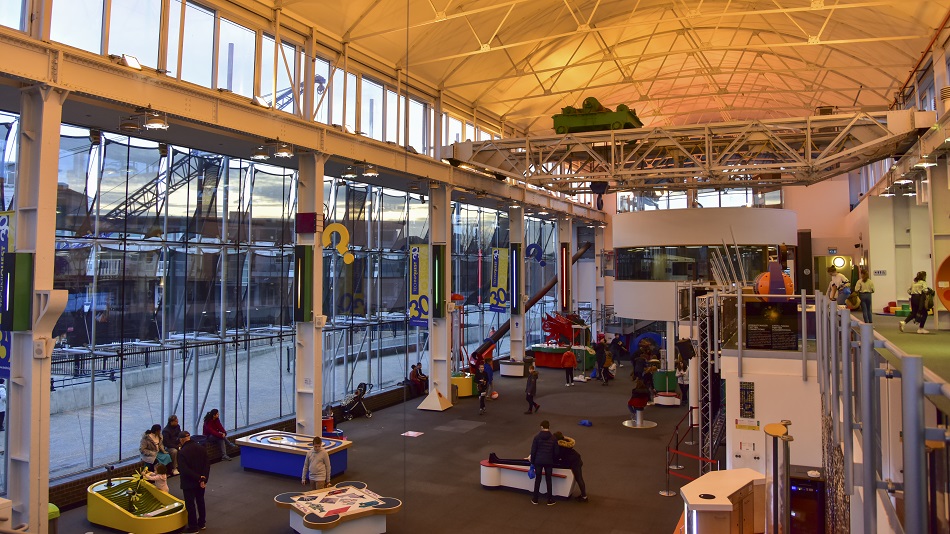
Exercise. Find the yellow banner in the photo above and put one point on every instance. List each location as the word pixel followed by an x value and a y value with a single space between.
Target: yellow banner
pixel 498 297
pixel 419 286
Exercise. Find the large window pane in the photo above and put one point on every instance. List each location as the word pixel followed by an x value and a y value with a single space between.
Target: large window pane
pixel 236 58
pixel 175 12
pixel 393 129
pixel 351 89
pixel 78 23
pixel 321 98
pixel 418 133
pixel 371 118
pixel 454 131
pixel 133 29
pixel 281 95
pixel 337 97
pixel 198 45
pixel 11 12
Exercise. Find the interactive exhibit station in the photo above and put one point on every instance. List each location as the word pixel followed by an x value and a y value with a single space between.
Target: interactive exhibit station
pixel 346 508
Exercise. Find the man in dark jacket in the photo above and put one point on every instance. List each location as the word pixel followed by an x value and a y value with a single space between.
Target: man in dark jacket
pixel 544 451
pixel 195 470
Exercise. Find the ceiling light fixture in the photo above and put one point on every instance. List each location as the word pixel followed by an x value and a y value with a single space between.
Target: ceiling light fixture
pixel 370 171
pixel 284 150
pixel 146 118
pixel 130 125
pixel 349 173
pixel 154 120
pixel 260 154
pixel 280 150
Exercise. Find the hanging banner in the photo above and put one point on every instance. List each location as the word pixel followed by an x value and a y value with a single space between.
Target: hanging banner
pixel 352 300
pixel 6 306
pixel 419 286
pixel 498 297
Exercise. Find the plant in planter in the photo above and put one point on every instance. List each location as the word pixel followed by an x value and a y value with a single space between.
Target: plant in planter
pixel 135 490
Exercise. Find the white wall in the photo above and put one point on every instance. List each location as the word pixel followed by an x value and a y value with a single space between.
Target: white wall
pixel 899 244
pixel 823 208
pixel 780 394
pixel 645 299
pixel 706 226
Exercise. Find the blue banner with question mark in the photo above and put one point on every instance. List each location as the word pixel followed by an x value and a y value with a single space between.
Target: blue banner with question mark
pixel 498 296
pixel 419 286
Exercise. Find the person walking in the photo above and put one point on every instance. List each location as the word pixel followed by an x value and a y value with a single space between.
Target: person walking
pixel 544 451
pixel 600 354
pixel 489 376
pixel 531 389
pixel 481 384
pixel 864 287
pixel 316 466
pixel 919 307
pixel 214 431
pixel 568 455
pixel 195 471
pixel 170 435
pixel 568 362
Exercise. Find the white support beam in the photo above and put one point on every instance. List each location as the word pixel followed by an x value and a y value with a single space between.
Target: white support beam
pixel 100 82
pixel 733 154
pixel 309 342
pixel 34 227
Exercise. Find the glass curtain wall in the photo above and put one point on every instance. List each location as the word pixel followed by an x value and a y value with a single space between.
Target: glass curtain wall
pixel 544 234
pixel 177 263
pixel 476 231
pixel 179 267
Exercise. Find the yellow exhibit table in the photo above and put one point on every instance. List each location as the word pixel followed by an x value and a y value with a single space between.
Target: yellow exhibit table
pixel 157 512
pixel 465 384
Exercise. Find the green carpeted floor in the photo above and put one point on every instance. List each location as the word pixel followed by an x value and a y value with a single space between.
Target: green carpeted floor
pixel 933 347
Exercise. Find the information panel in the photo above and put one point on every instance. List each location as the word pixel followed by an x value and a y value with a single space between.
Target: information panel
pixel 771 325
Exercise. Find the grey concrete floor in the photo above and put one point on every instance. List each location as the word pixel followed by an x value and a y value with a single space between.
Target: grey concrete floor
pixel 436 475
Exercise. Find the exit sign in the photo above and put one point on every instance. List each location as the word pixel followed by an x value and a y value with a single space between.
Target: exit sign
pixel 832 250
pixel 880 273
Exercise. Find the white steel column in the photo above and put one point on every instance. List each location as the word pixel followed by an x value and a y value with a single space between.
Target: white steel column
pixel 516 237
pixel 440 342
pixel 309 377
pixel 600 293
pixel 565 272
pixel 41 111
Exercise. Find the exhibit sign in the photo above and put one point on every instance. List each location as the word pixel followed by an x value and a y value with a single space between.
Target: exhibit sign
pixel 498 295
pixel 771 325
pixel 419 286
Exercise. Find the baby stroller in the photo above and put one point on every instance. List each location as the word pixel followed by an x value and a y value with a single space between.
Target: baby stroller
pixel 353 404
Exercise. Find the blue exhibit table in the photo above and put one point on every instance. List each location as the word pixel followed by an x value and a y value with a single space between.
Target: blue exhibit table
pixel 283 453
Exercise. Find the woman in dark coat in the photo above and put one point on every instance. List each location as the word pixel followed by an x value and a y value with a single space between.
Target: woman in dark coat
pixel 569 457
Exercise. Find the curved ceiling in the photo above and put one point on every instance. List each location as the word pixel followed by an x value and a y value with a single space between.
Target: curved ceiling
pixel 675 63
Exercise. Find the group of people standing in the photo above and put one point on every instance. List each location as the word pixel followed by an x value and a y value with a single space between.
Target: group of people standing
pixel 859 297
pixel 548 449
pixel 171 451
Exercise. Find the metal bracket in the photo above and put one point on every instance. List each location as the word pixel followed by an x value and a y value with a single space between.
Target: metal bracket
pixel 933 388
pixel 887 373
